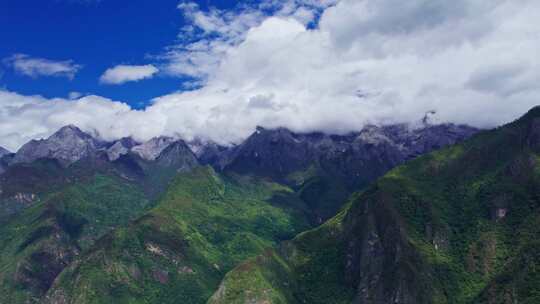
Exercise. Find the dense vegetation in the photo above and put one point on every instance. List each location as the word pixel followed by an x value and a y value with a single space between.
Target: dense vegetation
pixel 203 226
pixel 40 241
pixel 455 226
pixel 459 225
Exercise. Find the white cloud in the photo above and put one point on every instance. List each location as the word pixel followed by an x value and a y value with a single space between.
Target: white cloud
pixel 35 67
pixel 74 95
pixel 125 73
pixel 212 34
pixel 367 61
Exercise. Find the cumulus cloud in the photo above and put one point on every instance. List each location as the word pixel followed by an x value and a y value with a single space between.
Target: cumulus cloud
pixel 363 61
pixel 125 73
pixel 212 34
pixel 35 67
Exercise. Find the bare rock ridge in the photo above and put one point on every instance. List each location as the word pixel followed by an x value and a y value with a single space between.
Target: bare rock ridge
pixel 177 155
pixel 151 149
pixel 120 147
pixel 267 152
pixel 280 152
pixel 67 145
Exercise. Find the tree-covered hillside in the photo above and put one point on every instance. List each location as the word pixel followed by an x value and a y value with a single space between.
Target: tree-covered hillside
pixel 459 225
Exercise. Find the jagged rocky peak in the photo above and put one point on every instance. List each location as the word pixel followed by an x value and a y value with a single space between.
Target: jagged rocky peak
pixel 120 147
pixel 151 149
pixel 279 152
pixel 177 155
pixel 209 152
pixel 372 134
pixel 275 135
pixel 67 145
pixel 200 146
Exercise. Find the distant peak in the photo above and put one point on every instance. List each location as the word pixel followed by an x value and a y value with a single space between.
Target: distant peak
pixel 532 113
pixel 70 127
pixel 4 151
pixel 428 117
pixel 70 130
pixel 151 149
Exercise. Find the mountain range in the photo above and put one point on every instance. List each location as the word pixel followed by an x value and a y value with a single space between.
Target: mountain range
pixel 424 213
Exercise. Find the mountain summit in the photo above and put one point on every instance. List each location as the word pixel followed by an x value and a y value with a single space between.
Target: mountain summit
pixel 68 145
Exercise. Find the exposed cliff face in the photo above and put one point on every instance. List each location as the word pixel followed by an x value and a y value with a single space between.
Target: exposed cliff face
pixel 178 156
pixel 151 149
pixel 120 147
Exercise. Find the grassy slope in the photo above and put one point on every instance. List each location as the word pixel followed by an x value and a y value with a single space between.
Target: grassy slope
pixel 42 239
pixel 179 251
pixel 453 247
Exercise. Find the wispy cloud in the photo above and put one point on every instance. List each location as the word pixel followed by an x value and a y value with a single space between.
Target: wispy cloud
pixel 36 67
pixel 125 73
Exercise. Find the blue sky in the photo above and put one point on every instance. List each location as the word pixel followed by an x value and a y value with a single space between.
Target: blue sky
pixel 96 35
pixel 214 70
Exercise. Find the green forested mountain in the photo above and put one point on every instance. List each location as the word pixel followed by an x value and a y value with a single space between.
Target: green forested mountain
pixel 459 225
pixel 154 224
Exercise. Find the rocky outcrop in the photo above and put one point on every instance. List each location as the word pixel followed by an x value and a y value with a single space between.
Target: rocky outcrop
pixel 178 156
pixel 120 147
pixel 67 145
pixel 210 153
pixel 360 156
pixel 381 264
pixel 151 149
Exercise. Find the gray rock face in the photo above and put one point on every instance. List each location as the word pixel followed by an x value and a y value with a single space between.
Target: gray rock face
pixel 210 153
pixel 366 154
pixel 67 145
pixel 151 149
pixel 179 156
pixel 120 147
pixel 3 152
pixel 380 261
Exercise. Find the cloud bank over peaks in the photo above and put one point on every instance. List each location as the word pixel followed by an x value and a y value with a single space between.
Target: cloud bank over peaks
pixel 365 61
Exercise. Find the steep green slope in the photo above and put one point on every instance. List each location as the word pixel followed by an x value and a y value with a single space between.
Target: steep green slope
pixel 44 238
pixel 179 251
pixel 455 226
